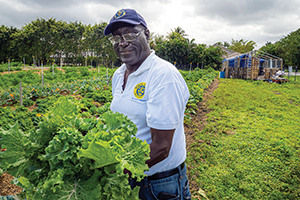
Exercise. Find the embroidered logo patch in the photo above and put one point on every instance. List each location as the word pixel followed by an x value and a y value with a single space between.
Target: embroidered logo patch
pixel 139 90
pixel 120 14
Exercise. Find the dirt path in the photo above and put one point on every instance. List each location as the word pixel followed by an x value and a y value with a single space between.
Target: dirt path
pixel 198 122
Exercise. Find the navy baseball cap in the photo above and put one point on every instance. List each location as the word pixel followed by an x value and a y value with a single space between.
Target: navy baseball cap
pixel 129 16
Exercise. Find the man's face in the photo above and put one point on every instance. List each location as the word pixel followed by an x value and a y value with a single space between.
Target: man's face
pixel 135 52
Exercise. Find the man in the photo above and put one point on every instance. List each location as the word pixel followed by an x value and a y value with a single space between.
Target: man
pixel 153 94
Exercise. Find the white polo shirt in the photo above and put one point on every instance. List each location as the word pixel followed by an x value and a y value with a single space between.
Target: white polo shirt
pixel 155 96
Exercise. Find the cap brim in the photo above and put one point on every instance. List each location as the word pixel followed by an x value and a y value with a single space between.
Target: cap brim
pixel 108 30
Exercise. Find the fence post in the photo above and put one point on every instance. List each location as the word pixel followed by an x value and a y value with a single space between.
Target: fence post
pixel 60 63
pixel 290 71
pixel 21 95
pixel 42 73
pixel 107 72
pixel 9 65
pixel 190 69
pixel 53 68
pixel 24 61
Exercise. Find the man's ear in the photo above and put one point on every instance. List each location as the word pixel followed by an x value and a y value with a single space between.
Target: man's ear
pixel 147 33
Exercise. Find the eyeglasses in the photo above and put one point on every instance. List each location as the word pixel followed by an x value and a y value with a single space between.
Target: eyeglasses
pixel 128 37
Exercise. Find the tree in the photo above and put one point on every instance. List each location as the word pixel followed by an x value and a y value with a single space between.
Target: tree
pixel 291 45
pixel 8 47
pixel 212 57
pixel 99 44
pixel 242 46
pixel 180 31
pixel 39 38
pixel 287 48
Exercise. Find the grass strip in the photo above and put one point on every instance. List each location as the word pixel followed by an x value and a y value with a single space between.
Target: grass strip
pixel 250 148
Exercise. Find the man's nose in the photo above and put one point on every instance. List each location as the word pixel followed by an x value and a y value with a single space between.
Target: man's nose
pixel 123 42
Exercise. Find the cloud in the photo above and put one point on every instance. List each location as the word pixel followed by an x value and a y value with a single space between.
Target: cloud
pixel 239 12
pixel 205 21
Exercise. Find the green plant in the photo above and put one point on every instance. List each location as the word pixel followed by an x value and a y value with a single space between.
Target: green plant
pixel 58 161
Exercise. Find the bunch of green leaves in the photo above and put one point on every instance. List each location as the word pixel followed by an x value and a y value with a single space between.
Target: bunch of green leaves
pixel 58 161
pixel 26 120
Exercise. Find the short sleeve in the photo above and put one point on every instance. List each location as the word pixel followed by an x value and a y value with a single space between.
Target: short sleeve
pixel 167 100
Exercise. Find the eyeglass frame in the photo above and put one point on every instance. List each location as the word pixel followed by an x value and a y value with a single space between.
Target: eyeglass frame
pixel 111 39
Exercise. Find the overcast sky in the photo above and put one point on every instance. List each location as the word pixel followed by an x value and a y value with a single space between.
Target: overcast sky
pixel 207 21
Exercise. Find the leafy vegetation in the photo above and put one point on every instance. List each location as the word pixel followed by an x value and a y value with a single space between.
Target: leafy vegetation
pixel 177 47
pixel 52 146
pixel 58 161
pixel 287 48
pixel 250 146
pixel 241 46
pixel 95 88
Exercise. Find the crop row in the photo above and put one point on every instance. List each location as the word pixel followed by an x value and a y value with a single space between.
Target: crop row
pixel 94 92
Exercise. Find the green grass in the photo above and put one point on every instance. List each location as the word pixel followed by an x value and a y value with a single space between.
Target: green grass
pixel 250 148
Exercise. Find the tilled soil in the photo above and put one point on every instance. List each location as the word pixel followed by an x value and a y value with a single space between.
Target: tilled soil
pixel 198 123
pixel 7 188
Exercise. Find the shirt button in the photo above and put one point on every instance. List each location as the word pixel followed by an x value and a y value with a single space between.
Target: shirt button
pixel 121 92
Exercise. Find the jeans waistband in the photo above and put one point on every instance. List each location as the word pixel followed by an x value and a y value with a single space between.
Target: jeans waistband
pixel 167 173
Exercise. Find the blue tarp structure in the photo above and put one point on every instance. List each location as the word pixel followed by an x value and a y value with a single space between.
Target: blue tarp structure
pixel 245 61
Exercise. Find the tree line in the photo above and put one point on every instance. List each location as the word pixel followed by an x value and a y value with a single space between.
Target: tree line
pixel 287 48
pixel 50 40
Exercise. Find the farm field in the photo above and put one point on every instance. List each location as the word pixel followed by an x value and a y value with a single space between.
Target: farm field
pixel 72 110
pixel 246 143
pixel 243 136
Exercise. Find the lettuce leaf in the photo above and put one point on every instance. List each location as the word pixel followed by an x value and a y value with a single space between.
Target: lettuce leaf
pixel 58 161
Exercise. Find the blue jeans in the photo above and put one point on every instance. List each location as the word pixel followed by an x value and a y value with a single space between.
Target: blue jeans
pixel 177 185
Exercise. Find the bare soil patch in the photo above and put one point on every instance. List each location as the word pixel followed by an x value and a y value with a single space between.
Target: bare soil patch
pixel 7 188
pixel 198 123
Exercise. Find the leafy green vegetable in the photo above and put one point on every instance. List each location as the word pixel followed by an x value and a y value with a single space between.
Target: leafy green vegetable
pixel 69 157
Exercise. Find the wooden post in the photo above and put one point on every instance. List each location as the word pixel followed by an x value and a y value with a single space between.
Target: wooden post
pixel 107 72
pixel 53 69
pixel 42 74
pixel 21 95
pixel 238 68
pixel 226 69
pixel 33 60
pixel 190 69
pixel 9 65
